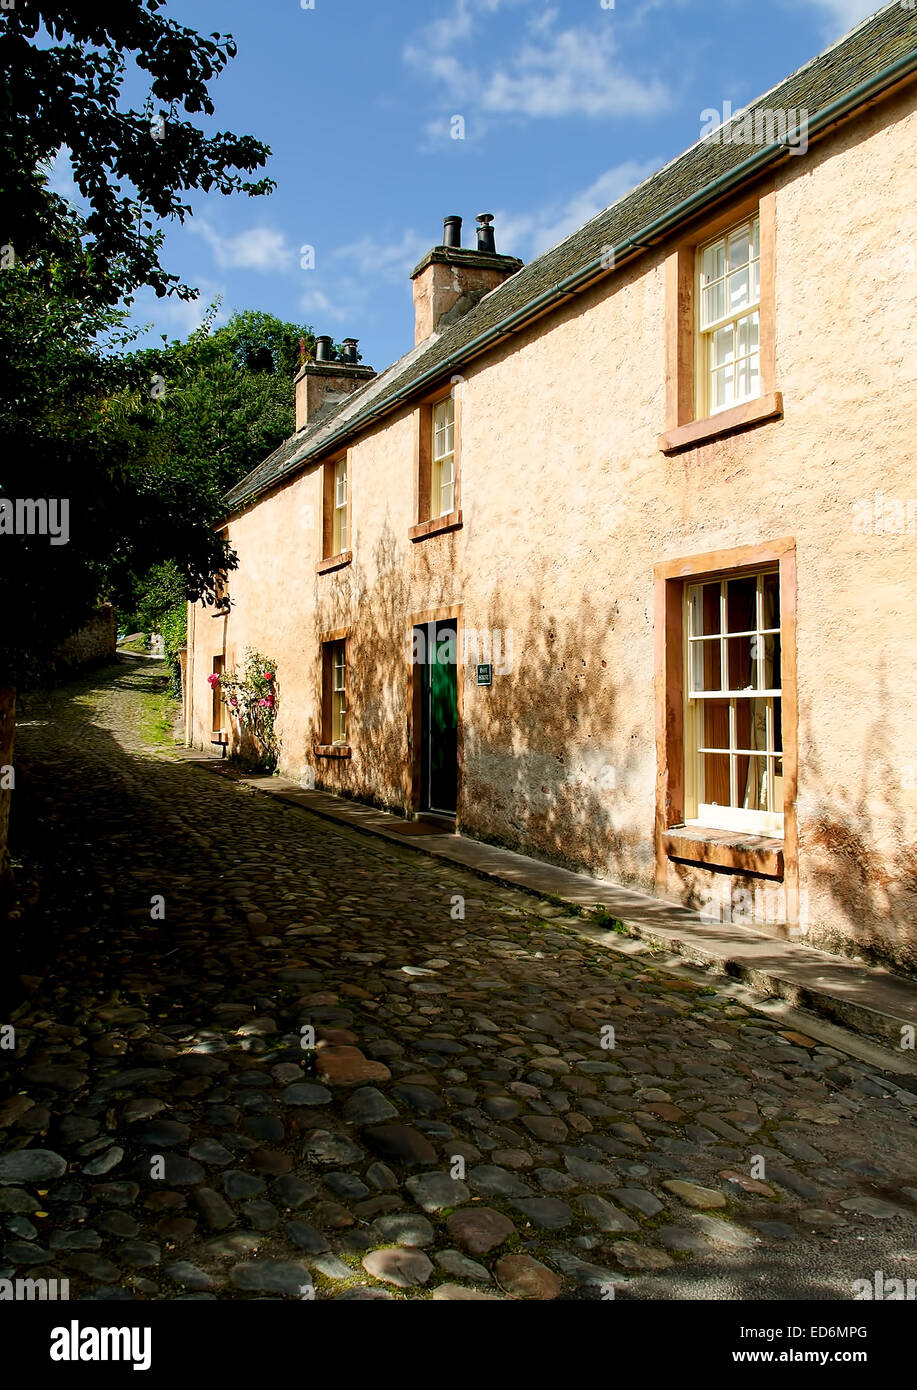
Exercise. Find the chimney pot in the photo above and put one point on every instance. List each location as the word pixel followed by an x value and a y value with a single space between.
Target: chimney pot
pixel 486 233
pixel 349 351
pixel 324 351
pixel 452 231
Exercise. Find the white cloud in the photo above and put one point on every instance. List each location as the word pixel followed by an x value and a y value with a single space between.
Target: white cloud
pixel 388 260
pixel 261 248
pixel 841 15
pixel 317 302
pixel 573 72
pixel 551 71
pixel 346 293
pixel 180 317
pixel 528 234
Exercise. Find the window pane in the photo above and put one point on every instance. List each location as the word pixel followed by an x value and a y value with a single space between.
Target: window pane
pixel 721 388
pixel 741 611
pixel 753 734
pixel 715 771
pixel 723 346
pixel 771 600
pixel 738 289
pixel 747 333
pixel 716 724
pixel 778 723
pixel 771 644
pixel 756 237
pixel 751 782
pixel 741 668
pixel 737 247
pixel 711 610
pixel 713 306
pixel 446 503
pixel 713 262
pixel 706 666
pixel 747 378
pixel 777 791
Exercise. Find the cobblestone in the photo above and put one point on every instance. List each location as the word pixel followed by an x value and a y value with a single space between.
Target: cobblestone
pixel 168 1131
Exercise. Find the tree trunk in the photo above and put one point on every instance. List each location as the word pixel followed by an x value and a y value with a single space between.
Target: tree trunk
pixel 7 726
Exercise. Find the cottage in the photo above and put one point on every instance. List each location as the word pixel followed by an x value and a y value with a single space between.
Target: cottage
pixel 585 572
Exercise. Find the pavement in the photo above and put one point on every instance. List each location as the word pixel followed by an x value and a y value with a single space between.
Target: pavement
pixel 263 1053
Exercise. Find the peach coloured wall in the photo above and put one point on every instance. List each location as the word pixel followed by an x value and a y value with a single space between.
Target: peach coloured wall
pixel 568 504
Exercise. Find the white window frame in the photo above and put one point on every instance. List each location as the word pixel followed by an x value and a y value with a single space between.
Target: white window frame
pixel 339 507
pixel 339 712
pixel 698 811
pixel 442 470
pixel 705 329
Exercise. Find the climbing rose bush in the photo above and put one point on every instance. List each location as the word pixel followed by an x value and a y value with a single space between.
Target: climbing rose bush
pixel 251 695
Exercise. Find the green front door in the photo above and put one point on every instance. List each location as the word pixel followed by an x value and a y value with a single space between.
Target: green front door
pixel 439 717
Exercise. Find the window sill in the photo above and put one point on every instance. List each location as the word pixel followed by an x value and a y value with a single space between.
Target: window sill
pixel 452 521
pixel 334 562
pixel 332 750
pixel 726 849
pixel 740 417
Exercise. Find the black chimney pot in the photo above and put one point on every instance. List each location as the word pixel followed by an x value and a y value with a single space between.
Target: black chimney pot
pixel 349 351
pixel 324 351
pixel 452 231
pixel 486 233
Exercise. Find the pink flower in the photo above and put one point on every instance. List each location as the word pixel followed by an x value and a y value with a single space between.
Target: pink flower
pixel 213 681
pixel 233 700
pixel 269 675
pixel 267 702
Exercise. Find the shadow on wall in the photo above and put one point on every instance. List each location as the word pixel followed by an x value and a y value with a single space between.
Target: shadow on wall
pixel 852 837
pixel 548 769
pixel 375 603
pixel 555 767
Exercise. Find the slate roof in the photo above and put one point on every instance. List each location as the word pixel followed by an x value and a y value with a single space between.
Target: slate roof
pixel 883 47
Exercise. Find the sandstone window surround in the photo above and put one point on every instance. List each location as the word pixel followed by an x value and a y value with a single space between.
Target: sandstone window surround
pixel 218 700
pixel 335 687
pixel 739 841
pixel 336 515
pixel 437 472
pixel 720 328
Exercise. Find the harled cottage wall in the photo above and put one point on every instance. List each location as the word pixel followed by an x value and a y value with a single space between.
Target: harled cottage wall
pixel 568 504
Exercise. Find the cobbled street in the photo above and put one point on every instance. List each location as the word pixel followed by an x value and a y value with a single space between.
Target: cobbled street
pixel 458 1132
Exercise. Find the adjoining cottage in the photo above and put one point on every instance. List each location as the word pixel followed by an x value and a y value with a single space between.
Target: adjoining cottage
pixel 615 565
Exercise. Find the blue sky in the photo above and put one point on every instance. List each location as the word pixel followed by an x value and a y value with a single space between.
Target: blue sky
pixel 566 105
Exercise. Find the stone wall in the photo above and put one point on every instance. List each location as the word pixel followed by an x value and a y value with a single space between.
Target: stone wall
pixel 94 643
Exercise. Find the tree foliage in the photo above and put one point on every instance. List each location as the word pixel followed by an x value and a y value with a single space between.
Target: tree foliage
pixel 78 425
pixel 63 66
pixel 225 400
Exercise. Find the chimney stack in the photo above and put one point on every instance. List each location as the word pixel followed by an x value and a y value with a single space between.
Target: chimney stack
pixel 328 380
pixel 486 233
pixel 451 279
pixel 452 231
